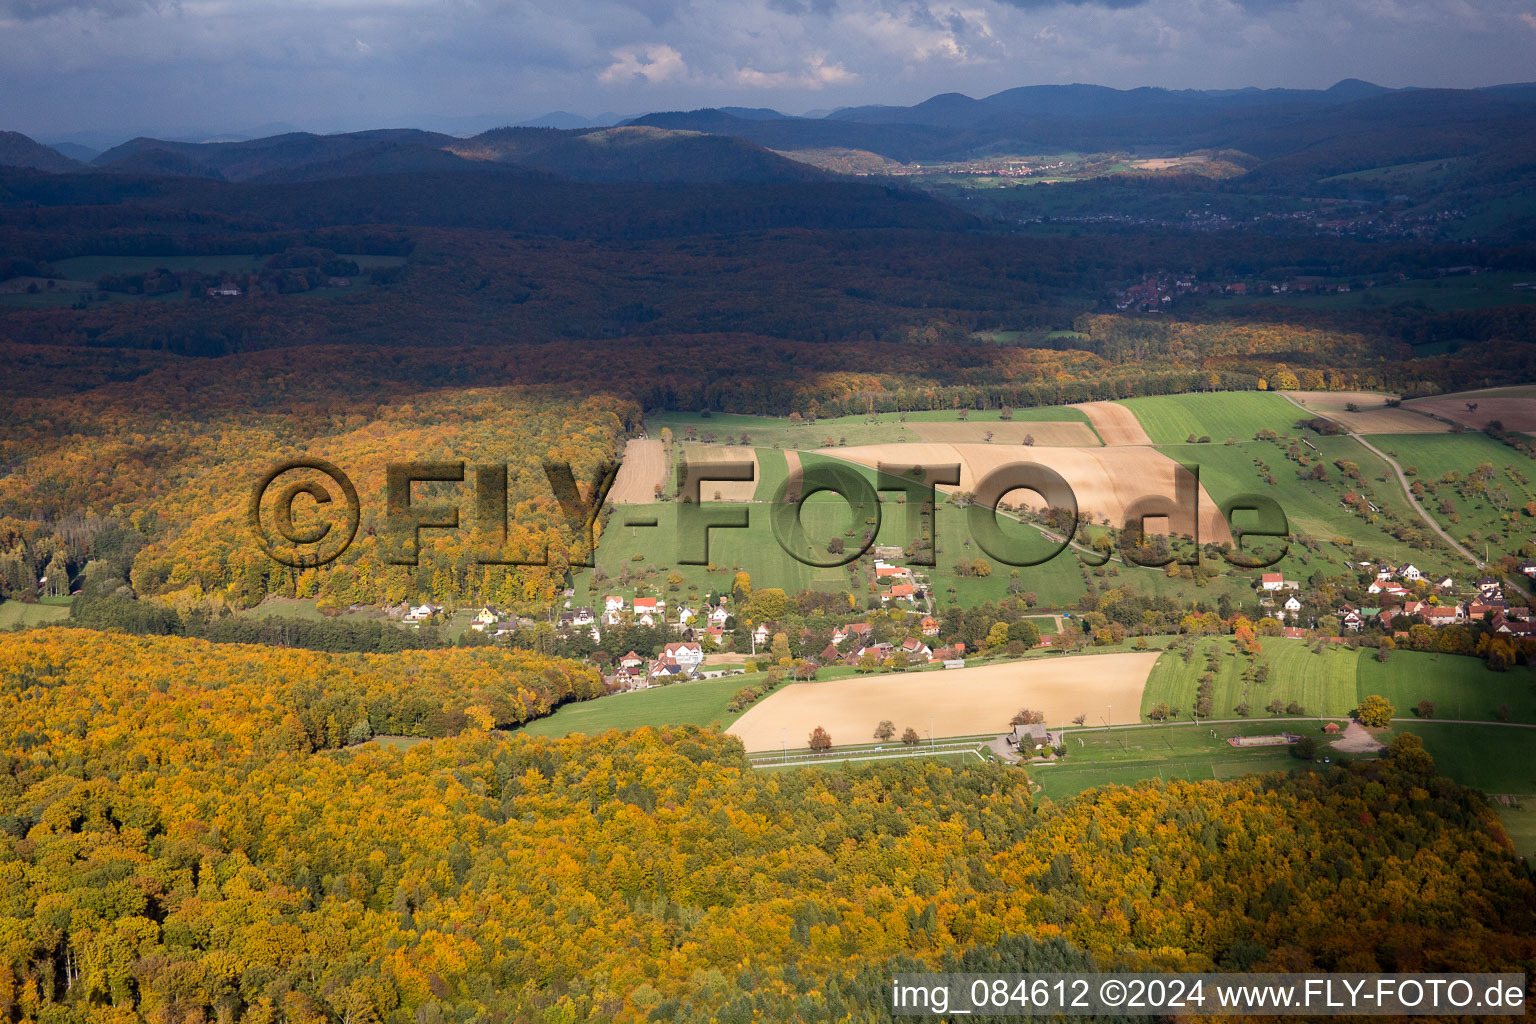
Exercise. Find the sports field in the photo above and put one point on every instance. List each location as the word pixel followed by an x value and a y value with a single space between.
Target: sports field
pixel 958 702
pixel 1170 419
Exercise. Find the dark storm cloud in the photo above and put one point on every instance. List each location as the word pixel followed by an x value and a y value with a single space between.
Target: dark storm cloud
pixel 219 66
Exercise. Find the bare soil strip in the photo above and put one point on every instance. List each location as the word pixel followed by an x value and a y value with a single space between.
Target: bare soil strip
pixel 1115 423
pixel 1373 417
pixel 645 466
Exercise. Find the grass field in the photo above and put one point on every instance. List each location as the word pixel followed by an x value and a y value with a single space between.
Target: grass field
pixel 880 428
pixel 1459 687
pixel 697 703
pixel 1324 684
pixel 1127 756
pixel 1312 507
pixel 1493 758
pixel 48 609
pixel 1432 456
pixel 1170 419
pixel 824 516
pixel 1520 823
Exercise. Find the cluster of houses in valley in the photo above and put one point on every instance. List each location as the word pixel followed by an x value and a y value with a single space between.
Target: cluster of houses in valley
pixel 855 645
pixel 1404 591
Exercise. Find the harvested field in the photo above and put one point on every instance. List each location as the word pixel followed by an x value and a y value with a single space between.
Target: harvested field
pixel 1115 423
pixel 1373 418
pixel 961 702
pixel 1515 407
pixel 724 490
pixel 1048 433
pixel 645 466
pixel 1105 480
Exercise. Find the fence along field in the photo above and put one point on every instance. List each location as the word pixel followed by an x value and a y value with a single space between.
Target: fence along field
pixel 960 702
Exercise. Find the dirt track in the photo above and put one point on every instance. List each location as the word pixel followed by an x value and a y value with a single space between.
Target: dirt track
pixel 645 466
pixel 1374 416
pixel 1115 423
pixel 961 702
pixel 1105 480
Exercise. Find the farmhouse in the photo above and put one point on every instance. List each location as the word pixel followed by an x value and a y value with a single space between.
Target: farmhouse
pixel 1272 581
pixel 1442 615
pixel 857 630
pixel 421 612
pixel 1033 735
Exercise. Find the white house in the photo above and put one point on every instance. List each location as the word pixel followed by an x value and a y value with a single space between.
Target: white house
pixel 1445 583
pixel 1272 581
pixel 423 611
pixel 1292 604
pixel 760 634
pixel 688 655
pixel 1410 573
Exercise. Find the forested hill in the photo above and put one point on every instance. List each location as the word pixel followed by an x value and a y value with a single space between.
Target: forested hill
pixel 183 834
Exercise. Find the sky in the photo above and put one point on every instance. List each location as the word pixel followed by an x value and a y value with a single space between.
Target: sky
pixel 201 68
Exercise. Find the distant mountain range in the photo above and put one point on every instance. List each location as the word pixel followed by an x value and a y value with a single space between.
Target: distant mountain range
pixel 1287 134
